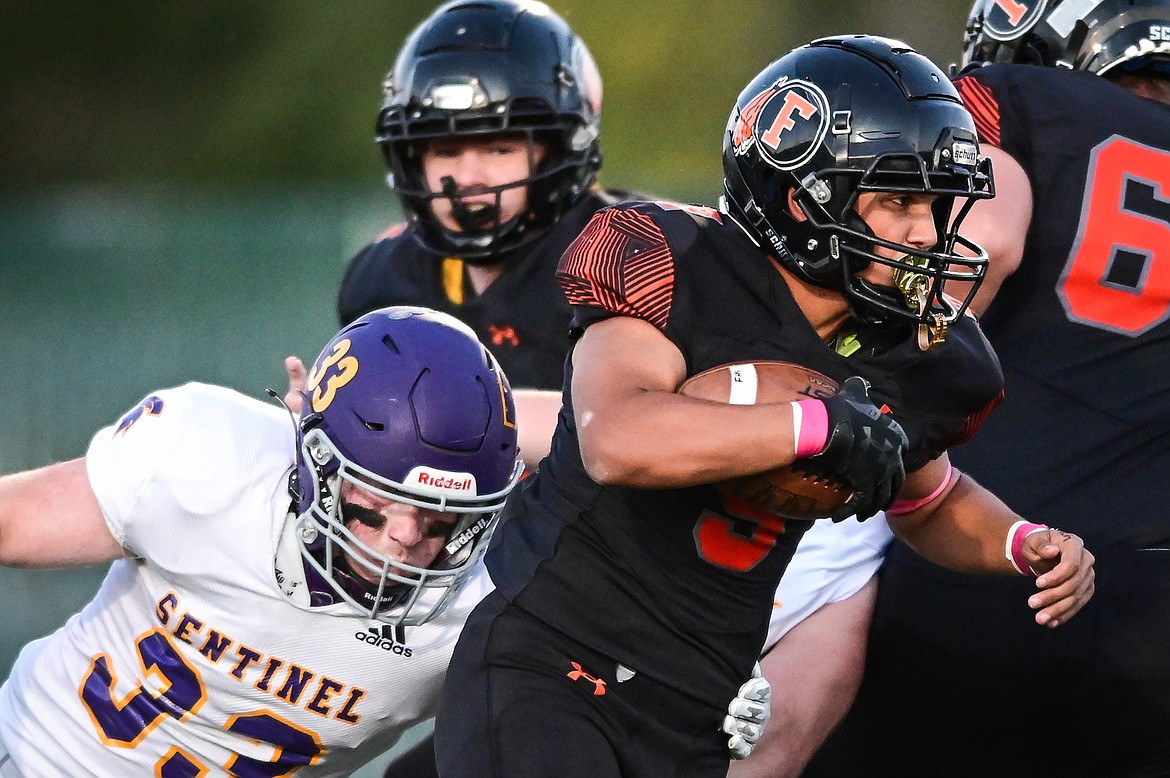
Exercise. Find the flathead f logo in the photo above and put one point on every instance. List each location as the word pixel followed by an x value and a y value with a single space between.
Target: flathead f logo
pixel 1006 20
pixel 578 673
pixel 791 123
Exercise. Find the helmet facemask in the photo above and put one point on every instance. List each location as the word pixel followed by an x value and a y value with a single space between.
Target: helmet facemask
pixel 400 593
pixel 834 244
pixel 407 405
pixel 481 67
pixel 483 233
pixel 836 119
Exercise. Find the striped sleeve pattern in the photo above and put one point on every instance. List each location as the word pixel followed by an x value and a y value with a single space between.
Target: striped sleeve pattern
pixel 975 421
pixel 983 106
pixel 621 263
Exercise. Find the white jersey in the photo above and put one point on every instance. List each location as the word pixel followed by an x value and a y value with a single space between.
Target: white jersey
pixel 190 657
pixel 833 561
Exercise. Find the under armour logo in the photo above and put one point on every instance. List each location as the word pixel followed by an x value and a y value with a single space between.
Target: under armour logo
pixel 505 334
pixel 577 673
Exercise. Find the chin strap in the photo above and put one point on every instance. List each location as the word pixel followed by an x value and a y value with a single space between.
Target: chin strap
pixel 933 334
pixel 291 571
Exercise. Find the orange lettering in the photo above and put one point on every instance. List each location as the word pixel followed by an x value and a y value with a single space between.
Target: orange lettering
pixel 1014 10
pixel 793 103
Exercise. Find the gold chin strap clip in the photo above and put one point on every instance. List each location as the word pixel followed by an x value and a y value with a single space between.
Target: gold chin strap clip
pixel 915 287
pixel 931 335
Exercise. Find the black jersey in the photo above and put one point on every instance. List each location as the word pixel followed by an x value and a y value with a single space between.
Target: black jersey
pixel 522 317
pixel 1081 441
pixel 633 572
pixel 1081 328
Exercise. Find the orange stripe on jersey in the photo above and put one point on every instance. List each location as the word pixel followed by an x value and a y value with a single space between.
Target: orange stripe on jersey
pixel 975 421
pixel 621 262
pixel 983 107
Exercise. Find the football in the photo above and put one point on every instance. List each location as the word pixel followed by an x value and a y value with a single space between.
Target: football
pixel 796 491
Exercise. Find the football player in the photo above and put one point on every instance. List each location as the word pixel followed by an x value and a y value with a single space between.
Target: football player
pixel 489 127
pixel 1072 103
pixel 490 130
pixel 630 600
pixel 284 595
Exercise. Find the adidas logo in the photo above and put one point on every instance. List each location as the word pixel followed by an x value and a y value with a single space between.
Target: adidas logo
pixel 387 638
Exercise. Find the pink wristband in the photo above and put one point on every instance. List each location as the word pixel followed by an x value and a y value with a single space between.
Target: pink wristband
pixel 1014 550
pixel 810 427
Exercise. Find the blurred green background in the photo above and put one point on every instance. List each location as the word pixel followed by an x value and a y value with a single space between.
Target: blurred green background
pixel 181 185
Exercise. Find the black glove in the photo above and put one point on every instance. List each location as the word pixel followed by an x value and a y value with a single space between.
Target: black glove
pixel 864 449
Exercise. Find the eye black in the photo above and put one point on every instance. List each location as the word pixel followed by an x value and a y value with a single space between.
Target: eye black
pixel 367 516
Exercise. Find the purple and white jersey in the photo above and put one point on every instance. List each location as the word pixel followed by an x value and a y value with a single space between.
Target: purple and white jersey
pixel 200 654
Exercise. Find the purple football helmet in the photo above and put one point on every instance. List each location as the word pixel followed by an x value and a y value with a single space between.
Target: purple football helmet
pixel 407 404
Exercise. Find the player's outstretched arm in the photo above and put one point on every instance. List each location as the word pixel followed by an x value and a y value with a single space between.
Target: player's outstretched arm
pixel 966 528
pixel 50 517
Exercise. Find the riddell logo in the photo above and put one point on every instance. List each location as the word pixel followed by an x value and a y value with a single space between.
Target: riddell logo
pixel 386 639
pixel 444 482
pixel 441 480
pixel 466 536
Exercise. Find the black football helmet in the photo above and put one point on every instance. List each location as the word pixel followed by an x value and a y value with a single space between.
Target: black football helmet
pixel 478 67
pixel 1105 37
pixel 832 120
